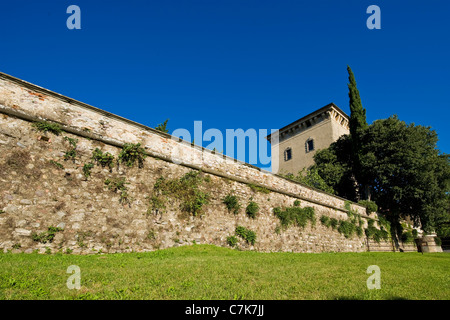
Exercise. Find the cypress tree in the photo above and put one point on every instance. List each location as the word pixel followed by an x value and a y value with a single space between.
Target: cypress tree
pixel 357 113
pixel 357 124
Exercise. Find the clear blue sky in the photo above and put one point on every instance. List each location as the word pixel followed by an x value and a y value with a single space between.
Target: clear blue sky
pixel 235 63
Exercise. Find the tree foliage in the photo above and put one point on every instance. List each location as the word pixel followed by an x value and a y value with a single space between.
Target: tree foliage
pixel 407 173
pixel 312 178
pixel 401 164
pixel 358 124
pixel 163 127
pixel 397 164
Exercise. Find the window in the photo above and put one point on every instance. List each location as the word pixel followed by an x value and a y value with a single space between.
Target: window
pixel 309 145
pixel 287 154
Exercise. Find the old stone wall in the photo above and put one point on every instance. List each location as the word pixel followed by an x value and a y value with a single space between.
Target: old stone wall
pixel 39 189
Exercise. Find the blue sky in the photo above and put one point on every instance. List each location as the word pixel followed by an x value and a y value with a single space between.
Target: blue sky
pixel 235 63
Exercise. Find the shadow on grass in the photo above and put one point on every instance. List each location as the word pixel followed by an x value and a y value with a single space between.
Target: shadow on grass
pixel 359 298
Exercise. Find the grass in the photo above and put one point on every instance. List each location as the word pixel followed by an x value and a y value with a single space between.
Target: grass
pixel 209 272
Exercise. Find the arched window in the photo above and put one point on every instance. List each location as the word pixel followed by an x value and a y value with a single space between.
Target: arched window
pixel 287 154
pixel 309 145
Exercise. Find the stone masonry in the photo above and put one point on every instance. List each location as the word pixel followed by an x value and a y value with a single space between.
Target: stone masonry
pixel 39 189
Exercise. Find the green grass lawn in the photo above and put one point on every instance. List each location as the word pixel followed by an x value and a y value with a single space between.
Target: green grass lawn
pixel 209 272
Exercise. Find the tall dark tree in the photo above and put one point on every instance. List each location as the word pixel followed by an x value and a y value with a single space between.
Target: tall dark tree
pixel 358 124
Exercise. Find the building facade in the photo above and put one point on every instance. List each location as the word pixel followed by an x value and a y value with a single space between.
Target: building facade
pixel 300 140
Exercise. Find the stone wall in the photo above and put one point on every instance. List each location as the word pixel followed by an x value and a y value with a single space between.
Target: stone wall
pixel 37 193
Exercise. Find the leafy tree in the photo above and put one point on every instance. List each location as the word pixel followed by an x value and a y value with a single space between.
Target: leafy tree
pixel 406 171
pixel 312 178
pixel 401 164
pixel 398 163
pixel 334 166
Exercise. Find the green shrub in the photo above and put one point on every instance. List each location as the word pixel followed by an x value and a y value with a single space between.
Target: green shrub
pixel 195 203
pixel 296 216
pixel 72 141
pixel 334 223
pixel 186 189
pixel 325 220
pixel 103 159
pixel 369 205
pixel 46 236
pixel 157 204
pixel 232 203
pixel 252 209
pixel 45 127
pixel 276 211
pixel 87 169
pixel 232 241
pixel 346 228
pixel 376 234
pixel 407 237
pixel 71 153
pixel 119 185
pixel 438 241
pixel 297 203
pixel 132 153
pixel 248 235
pixel 348 205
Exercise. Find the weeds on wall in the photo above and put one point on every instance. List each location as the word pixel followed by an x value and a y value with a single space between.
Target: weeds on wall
pixel 376 234
pixel 295 216
pixel 407 233
pixel 354 225
pixel 44 126
pixel 119 185
pixel 71 153
pixel 252 209
pixel 57 164
pixel 232 203
pixel 157 205
pixel 87 169
pixel 131 154
pixel 369 205
pixel 187 189
pixel 103 159
pixel 248 235
pixel 256 188
pixel 46 236
pixel 348 228
pixel 232 241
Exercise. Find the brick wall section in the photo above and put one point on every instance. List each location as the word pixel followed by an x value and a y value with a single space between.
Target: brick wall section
pixel 35 194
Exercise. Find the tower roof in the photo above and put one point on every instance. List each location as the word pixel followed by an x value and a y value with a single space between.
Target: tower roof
pixel 310 116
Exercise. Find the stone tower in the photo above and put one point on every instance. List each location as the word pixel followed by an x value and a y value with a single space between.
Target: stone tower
pixel 299 140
